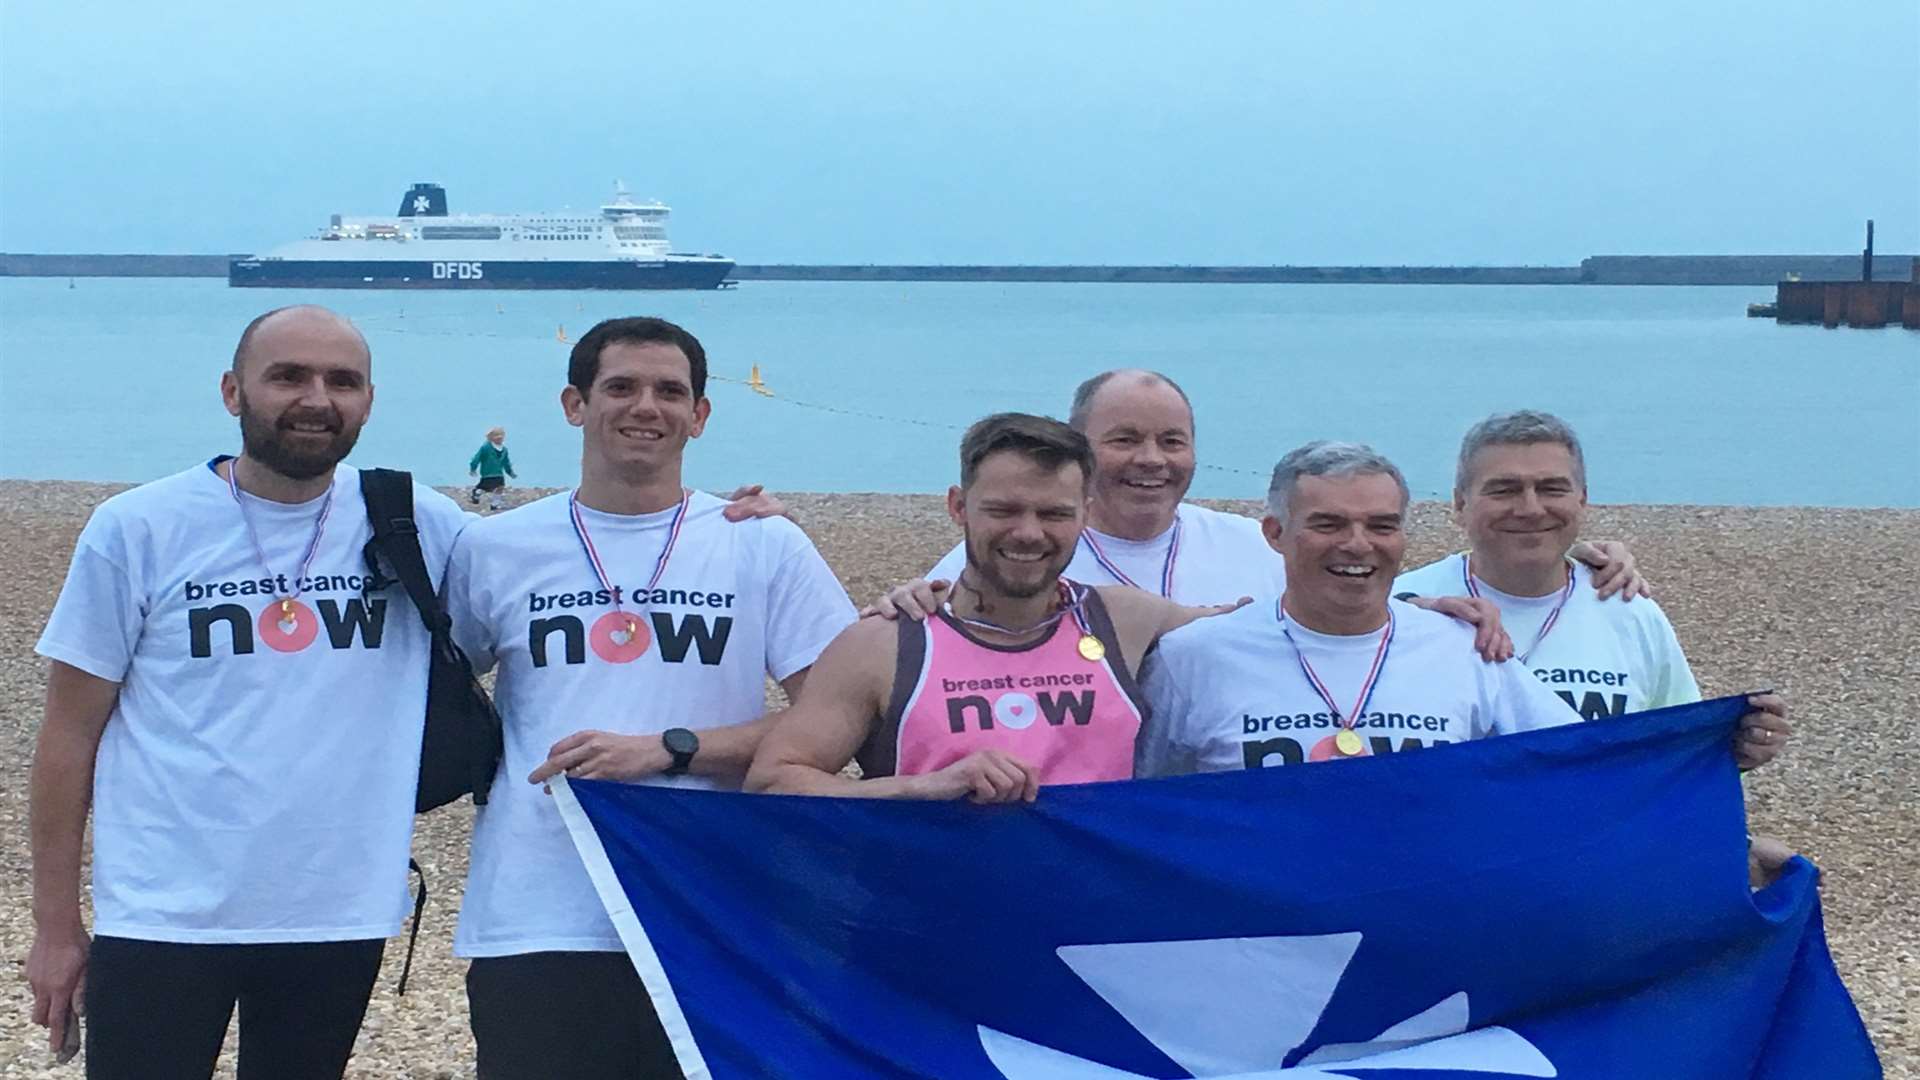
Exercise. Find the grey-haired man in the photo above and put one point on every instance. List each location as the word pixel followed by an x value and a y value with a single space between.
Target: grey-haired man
pixel 1520 492
pixel 1334 668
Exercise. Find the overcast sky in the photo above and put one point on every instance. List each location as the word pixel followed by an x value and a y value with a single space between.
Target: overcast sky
pixel 1002 132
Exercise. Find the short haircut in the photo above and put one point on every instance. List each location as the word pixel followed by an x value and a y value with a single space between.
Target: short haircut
pixel 1083 395
pixel 583 365
pixel 1324 458
pixel 493 431
pixel 1523 427
pixel 246 336
pixel 1041 439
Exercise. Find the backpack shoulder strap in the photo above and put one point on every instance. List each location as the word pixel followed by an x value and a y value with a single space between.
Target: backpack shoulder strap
pixel 389 498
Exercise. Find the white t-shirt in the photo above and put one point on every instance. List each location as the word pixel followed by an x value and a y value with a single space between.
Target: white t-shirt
pixel 738 602
pixel 1603 657
pixel 1227 692
pixel 251 785
pixel 1222 558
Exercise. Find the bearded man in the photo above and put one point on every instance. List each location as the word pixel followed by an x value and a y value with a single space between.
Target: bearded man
pixel 244 721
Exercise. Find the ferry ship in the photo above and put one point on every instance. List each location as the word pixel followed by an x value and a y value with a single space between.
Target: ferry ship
pixel 623 246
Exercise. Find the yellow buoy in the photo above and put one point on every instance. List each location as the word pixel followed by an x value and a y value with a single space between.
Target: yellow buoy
pixel 754 384
pixel 560 335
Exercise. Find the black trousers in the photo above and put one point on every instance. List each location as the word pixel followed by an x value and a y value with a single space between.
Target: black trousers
pixel 581 1015
pixel 158 1010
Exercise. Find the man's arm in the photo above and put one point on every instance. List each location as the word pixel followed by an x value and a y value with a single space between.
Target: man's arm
pixel 845 694
pixel 1613 566
pixel 1140 618
pixel 725 753
pixel 814 738
pixel 1490 638
pixel 78 706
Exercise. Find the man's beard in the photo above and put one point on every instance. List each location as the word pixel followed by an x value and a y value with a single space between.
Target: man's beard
pixel 980 565
pixel 262 439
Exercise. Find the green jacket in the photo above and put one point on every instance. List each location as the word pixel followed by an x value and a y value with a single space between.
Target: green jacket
pixel 492 460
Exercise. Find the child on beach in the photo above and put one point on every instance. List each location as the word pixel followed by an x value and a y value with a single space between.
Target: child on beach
pixel 493 465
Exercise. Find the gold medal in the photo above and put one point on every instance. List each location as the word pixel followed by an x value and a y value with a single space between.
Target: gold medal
pixel 1091 648
pixel 1348 742
pixel 621 637
pixel 289 622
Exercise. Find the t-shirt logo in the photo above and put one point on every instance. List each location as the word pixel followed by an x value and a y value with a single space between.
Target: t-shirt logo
pixel 1590 704
pixel 1377 728
pixel 677 637
pixel 295 628
pixel 624 635
pixel 1018 710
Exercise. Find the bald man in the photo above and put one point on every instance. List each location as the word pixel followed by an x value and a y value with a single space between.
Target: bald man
pixel 245 723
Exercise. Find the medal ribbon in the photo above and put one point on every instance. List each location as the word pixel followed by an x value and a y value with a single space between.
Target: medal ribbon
pixel 1166 570
pixel 260 553
pixel 1366 688
pixel 1071 603
pixel 593 553
pixel 1473 590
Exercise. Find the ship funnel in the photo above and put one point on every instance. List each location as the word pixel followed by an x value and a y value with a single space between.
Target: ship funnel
pixel 424 200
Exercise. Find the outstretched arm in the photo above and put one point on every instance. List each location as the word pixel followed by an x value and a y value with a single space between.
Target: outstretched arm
pixel 845 693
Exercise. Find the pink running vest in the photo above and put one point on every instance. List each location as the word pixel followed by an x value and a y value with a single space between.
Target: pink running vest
pixel 1072 718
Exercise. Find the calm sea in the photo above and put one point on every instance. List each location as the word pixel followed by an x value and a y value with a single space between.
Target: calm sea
pixel 1679 397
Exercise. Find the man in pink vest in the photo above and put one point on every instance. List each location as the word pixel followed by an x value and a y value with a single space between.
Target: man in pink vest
pixel 1021 678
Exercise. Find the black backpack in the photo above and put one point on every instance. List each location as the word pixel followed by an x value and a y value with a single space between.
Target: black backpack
pixel 461 747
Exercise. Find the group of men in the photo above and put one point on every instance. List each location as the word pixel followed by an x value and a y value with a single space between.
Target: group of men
pixel 240 706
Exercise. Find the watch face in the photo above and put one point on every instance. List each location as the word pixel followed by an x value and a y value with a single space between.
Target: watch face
pixel 680 741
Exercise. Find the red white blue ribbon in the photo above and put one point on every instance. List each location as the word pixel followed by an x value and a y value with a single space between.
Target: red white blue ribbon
pixel 593 553
pixel 1166 569
pixel 260 553
pixel 1072 602
pixel 1473 590
pixel 1345 720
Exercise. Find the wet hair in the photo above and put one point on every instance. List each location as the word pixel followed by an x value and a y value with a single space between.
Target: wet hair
pixel 246 336
pixel 1041 439
pixel 1325 458
pixel 1523 427
pixel 1083 395
pixel 583 365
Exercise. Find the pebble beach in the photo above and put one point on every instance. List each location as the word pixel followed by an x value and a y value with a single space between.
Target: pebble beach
pixel 1816 603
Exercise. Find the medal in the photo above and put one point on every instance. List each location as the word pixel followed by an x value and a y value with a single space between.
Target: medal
pixel 629 630
pixel 1473 590
pixel 1119 575
pixel 1347 741
pixel 1091 649
pixel 289 621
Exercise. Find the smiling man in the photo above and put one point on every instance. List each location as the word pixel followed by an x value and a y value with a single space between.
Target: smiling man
pixel 1333 669
pixel 633 627
pixel 1023 679
pixel 245 723
pixel 1139 531
pixel 1520 493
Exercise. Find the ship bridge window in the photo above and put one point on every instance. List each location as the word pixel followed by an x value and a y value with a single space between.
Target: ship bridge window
pixel 459 232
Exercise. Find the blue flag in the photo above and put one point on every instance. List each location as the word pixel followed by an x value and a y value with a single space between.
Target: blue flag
pixel 1562 903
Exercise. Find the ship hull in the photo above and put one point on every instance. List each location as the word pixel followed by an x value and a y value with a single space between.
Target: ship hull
pixel 476 274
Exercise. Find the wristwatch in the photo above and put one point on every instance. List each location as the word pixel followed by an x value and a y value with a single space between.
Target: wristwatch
pixel 682 744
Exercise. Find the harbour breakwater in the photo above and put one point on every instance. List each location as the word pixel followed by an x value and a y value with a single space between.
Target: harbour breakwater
pixel 1595 270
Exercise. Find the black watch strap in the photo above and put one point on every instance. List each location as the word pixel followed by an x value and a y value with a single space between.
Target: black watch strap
pixel 682 744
